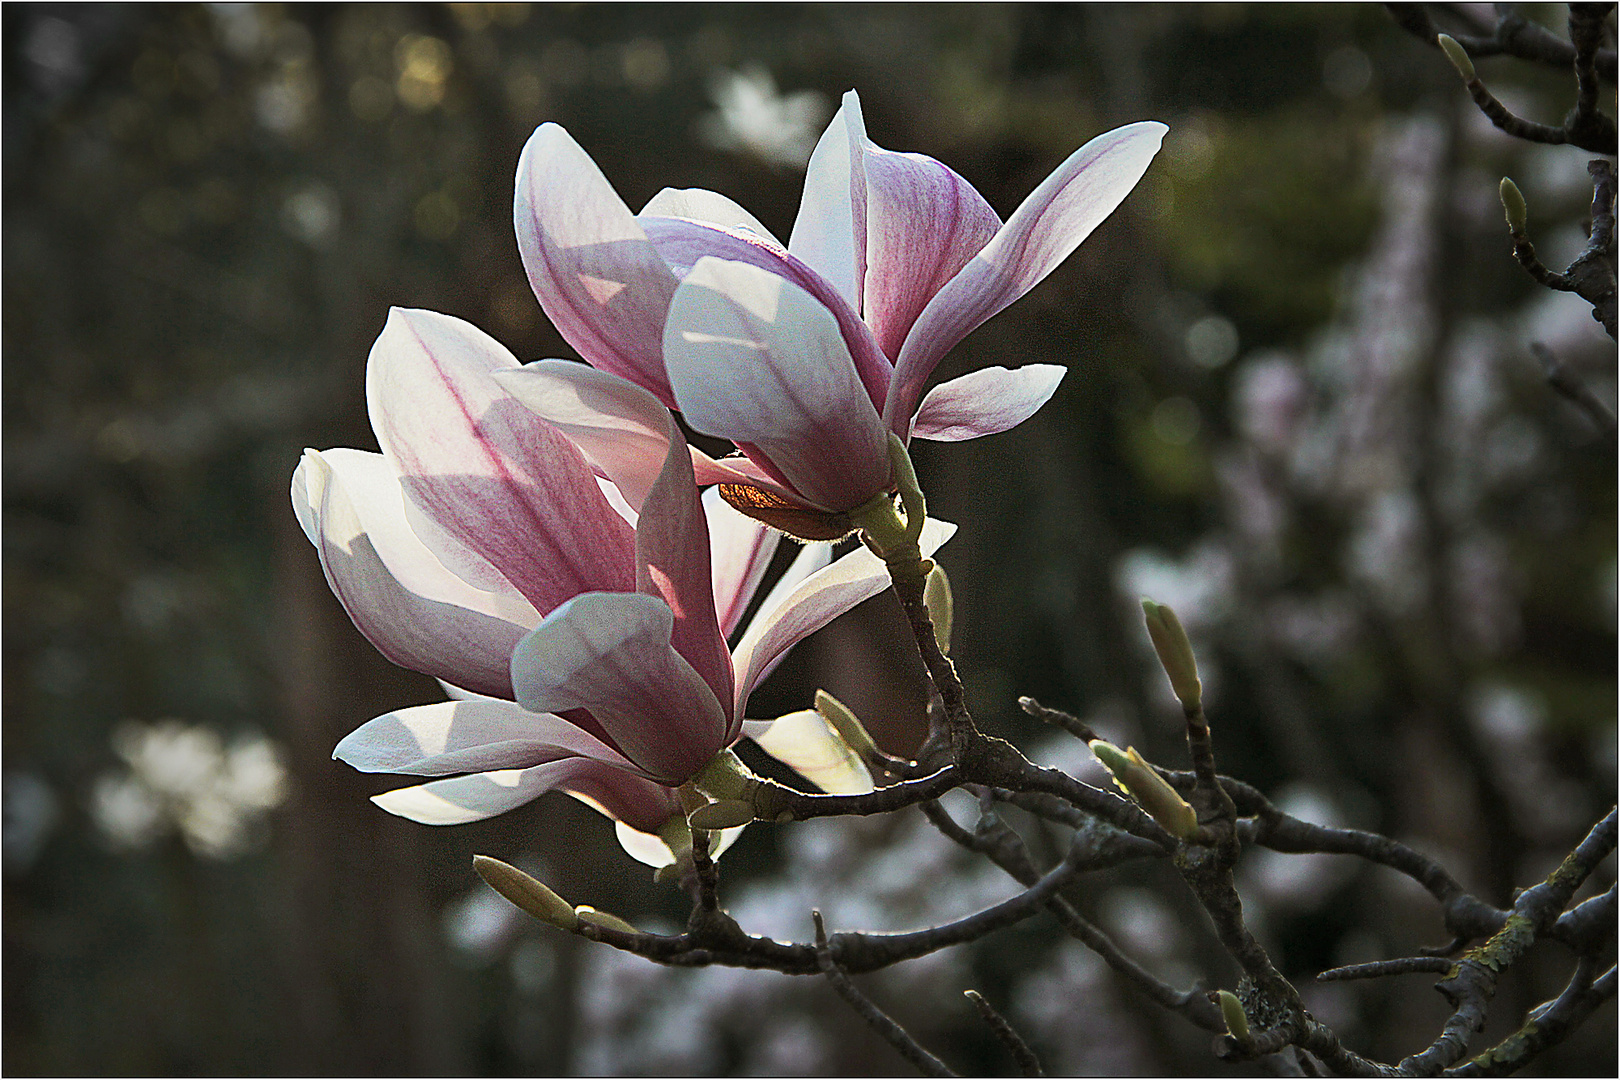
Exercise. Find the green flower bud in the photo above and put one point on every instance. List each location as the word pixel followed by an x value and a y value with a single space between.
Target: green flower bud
pixel 526 893
pixel 941 605
pixel 1175 654
pixel 586 913
pixel 1139 779
pixel 1458 57
pixel 724 814
pixel 848 726
pixel 1518 214
pixel 1237 1021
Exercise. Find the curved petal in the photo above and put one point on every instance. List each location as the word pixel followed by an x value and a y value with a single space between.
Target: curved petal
pixel 985 402
pixel 804 741
pixel 735 469
pixel 468 736
pixel 598 280
pixel 511 488
pixel 417 613
pixel 610 653
pixel 475 797
pixel 698 204
pixel 924 222
pixel 756 359
pixel 623 431
pixel 819 599
pixel 683 243
pixel 1041 233
pixel 742 550
pixel 649 849
pixel 829 234
pixel 628 435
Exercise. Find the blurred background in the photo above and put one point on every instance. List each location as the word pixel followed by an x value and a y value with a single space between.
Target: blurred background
pixel 1300 408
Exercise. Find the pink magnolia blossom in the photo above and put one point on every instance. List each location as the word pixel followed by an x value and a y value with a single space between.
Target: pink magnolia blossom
pixel 808 356
pixel 574 594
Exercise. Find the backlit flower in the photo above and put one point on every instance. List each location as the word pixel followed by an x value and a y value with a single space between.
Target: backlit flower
pixel 575 593
pixel 808 356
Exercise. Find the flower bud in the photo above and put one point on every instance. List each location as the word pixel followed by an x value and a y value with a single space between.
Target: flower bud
pixel 1518 214
pixel 1458 57
pixel 1139 779
pixel 526 893
pixel 848 726
pixel 723 814
pixel 1237 1021
pixel 586 913
pixel 941 605
pixel 1175 654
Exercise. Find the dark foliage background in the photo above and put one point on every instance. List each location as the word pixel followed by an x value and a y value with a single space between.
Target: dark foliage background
pixel 1300 408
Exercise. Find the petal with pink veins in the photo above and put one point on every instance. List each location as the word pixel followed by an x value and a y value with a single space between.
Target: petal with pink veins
pixel 610 653
pixel 756 359
pixel 924 222
pixel 417 613
pixel 683 243
pixel 985 402
pixel 816 601
pixel 630 437
pixel 474 735
pixel 592 269
pixel 623 431
pixel 829 234
pixel 1041 233
pixel 511 488
pixel 477 796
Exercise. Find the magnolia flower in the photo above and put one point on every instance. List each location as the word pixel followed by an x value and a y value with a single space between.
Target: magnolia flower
pixel 574 597
pixel 808 356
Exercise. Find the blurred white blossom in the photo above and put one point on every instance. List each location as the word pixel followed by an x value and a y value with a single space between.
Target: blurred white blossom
pixel 183 777
pixel 754 118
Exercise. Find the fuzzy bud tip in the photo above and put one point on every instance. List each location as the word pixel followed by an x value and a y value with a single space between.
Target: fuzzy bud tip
pixel 1175 654
pixel 526 893
pixel 1513 205
pixel 1458 57
pixel 1237 1021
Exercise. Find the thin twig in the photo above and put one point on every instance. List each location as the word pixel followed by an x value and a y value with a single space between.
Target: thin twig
pixel 1013 857
pixel 892 1033
pixel 1512 35
pixel 1072 724
pixel 1474 981
pixel 1545 1027
pixel 1028 1063
pixel 1432 965
pixel 1588 924
pixel 1561 379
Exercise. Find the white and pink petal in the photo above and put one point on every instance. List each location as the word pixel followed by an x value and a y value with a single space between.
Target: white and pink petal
pixel 1041 233
pixel 400 597
pixel 812 604
pixel 610 653
pixel 514 490
pixel 755 359
pixel 985 402
pixel 592 269
pixel 473 735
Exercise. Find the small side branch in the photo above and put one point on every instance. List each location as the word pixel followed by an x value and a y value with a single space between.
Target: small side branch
pixel 1432 965
pixel 1561 379
pixel 1512 35
pixel 895 1035
pixel 1028 1063
pixel 1547 1026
